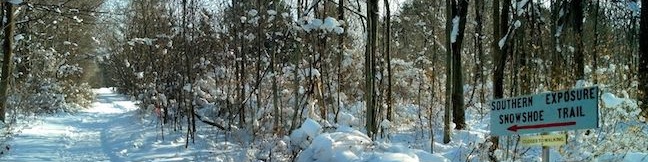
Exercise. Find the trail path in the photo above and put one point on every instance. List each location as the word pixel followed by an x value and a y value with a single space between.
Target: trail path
pixel 108 131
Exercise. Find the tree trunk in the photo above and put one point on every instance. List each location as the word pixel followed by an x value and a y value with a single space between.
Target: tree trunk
pixel 596 41
pixel 372 10
pixel 448 90
pixel 643 59
pixel 499 57
pixel 556 58
pixel 577 8
pixel 275 89
pixel 7 64
pixel 459 10
pixel 388 53
pixel 479 8
pixel 522 55
pixel 242 76
pixel 339 60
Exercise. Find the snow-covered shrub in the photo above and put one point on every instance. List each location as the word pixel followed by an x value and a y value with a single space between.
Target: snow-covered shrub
pixel 345 144
pixel 621 131
pixel 348 144
pixel 40 96
pixel 302 137
pixel 78 94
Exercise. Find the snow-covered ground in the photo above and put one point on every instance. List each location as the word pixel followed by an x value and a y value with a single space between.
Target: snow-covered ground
pixel 115 129
pixel 111 130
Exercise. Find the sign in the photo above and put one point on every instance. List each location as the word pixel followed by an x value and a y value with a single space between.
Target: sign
pixel 544 140
pixel 545 112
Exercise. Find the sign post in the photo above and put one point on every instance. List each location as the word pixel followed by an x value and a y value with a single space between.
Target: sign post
pixel 541 113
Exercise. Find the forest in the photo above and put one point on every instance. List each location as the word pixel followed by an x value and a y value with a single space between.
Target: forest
pixel 334 80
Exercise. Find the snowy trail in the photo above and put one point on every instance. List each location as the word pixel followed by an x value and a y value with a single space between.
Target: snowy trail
pixel 109 131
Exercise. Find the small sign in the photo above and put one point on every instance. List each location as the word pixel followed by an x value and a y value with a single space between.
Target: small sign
pixel 545 112
pixel 544 140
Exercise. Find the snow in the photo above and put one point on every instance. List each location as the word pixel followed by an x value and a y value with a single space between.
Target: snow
pixel 312 24
pixel 15 2
pixel 77 19
pixel 111 130
pixel 610 100
pixel 250 37
pixel 272 12
pixel 139 75
pixel 558 31
pixel 346 119
pixel 126 63
pixel 311 127
pixel 243 19
pixel 329 24
pixel 625 106
pixel 502 41
pixel 455 29
pixel 520 7
pixel 634 7
pixel 348 144
pixel 145 41
pixel 301 137
pixel 332 25
pixel 635 157
pixel 19 37
pixel 253 12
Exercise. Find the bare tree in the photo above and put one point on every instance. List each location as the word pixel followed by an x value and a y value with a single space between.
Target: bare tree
pixel 500 53
pixel 340 54
pixel 577 9
pixel 7 64
pixel 448 89
pixel 459 12
pixel 388 54
pixel 372 15
pixel 643 61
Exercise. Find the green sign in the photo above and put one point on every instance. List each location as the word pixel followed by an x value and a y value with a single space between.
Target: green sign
pixel 545 112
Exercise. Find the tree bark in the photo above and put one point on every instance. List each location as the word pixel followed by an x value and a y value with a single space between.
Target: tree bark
pixel 7 64
pixel 499 58
pixel 479 8
pixel 596 41
pixel 577 8
pixel 372 8
pixel 459 10
pixel 448 90
pixel 339 61
pixel 242 75
pixel 388 53
pixel 522 55
pixel 643 59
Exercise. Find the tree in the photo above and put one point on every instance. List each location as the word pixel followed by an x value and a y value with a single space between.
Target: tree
pixel 643 59
pixel 388 54
pixel 500 53
pixel 7 64
pixel 459 12
pixel 577 9
pixel 340 54
pixel 371 123
pixel 479 48
pixel 448 89
pixel 596 40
